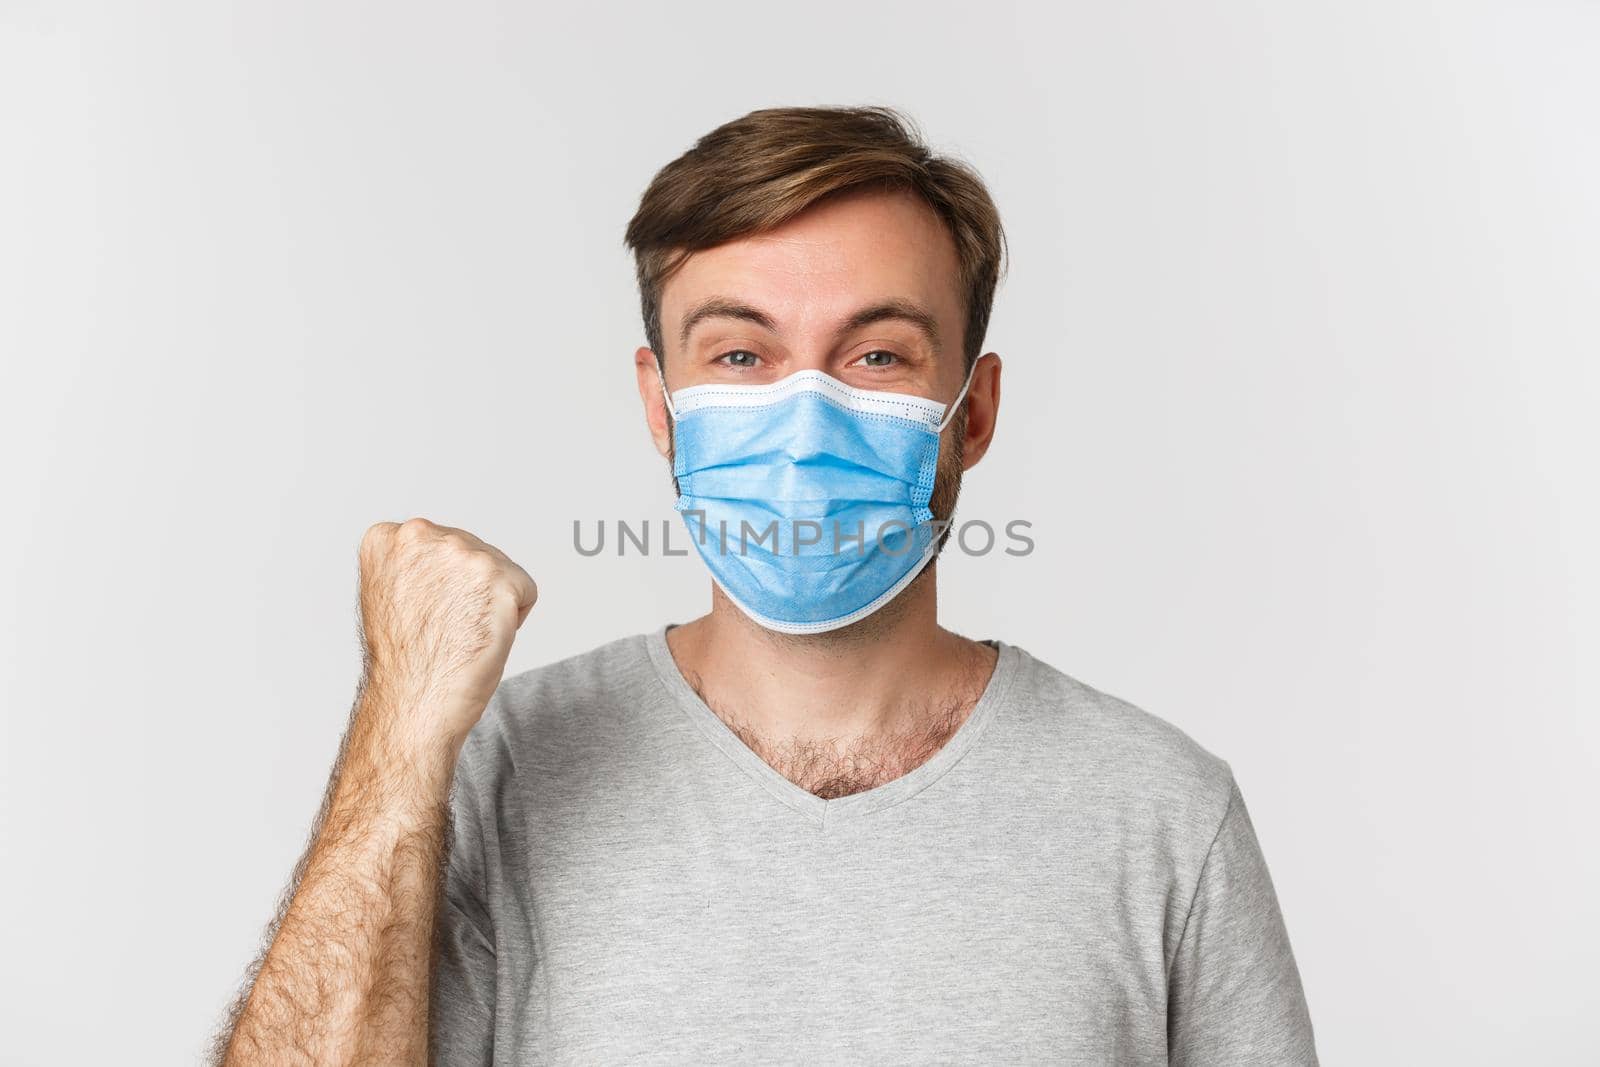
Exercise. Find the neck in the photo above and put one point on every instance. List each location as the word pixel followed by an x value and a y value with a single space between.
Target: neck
pixel 896 673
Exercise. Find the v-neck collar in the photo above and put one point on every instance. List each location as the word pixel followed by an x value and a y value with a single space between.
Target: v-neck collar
pixel 821 810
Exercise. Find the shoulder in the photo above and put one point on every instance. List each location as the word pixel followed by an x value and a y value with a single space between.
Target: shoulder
pixel 1106 748
pixel 551 713
pixel 582 679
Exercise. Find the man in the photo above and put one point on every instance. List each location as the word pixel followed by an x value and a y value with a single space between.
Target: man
pixel 811 825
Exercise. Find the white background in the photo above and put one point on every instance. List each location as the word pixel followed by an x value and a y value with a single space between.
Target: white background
pixel 1300 337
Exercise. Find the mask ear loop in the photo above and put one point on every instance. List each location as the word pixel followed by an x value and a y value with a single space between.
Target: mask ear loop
pixel 664 395
pixel 956 404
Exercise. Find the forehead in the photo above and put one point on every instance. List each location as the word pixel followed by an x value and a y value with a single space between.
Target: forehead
pixel 852 249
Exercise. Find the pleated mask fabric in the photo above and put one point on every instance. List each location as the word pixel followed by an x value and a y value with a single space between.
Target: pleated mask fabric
pixel 808 498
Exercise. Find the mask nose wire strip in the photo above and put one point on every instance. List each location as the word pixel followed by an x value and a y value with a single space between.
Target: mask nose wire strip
pixel 949 414
pixel 956 405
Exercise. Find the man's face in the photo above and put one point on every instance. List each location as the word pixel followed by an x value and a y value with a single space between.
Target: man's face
pixel 865 287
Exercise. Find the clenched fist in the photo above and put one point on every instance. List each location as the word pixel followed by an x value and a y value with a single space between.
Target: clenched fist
pixel 439 609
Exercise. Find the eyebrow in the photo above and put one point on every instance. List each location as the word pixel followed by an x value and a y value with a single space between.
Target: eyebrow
pixel 894 309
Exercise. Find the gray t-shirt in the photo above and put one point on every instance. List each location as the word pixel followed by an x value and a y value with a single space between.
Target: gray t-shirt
pixel 1069 879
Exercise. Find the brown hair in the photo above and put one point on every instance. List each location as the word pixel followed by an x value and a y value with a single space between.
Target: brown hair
pixel 758 171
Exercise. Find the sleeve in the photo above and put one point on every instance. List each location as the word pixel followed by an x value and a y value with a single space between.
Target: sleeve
pixel 462 993
pixel 1234 994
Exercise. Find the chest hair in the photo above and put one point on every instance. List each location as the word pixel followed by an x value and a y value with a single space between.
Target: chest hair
pixel 829 769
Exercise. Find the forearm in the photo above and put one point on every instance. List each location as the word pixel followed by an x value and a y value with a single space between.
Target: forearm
pixel 346 977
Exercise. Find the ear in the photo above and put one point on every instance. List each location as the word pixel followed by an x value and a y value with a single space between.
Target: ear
pixel 983 409
pixel 655 405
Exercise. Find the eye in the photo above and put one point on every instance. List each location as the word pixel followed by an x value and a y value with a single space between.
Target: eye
pixel 739 358
pixel 879 358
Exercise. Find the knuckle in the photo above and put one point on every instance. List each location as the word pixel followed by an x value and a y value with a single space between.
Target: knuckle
pixel 482 566
pixel 415 528
pixel 455 548
pixel 377 535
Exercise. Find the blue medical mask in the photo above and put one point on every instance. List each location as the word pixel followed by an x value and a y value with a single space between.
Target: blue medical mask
pixel 807 498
